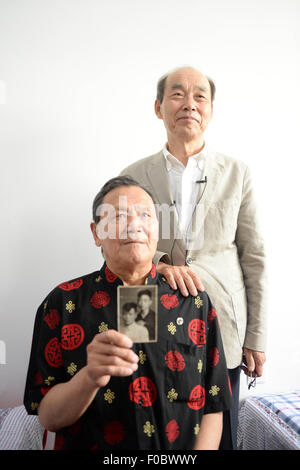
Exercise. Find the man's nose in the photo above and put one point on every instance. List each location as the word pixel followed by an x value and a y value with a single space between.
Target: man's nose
pixel 189 104
pixel 133 222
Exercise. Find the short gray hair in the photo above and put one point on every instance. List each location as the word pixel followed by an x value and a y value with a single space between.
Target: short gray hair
pixel 161 84
pixel 111 184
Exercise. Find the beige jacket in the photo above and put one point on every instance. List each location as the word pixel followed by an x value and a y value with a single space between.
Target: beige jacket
pixel 226 249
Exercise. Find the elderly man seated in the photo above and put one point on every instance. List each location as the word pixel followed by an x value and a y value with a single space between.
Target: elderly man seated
pixel 90 383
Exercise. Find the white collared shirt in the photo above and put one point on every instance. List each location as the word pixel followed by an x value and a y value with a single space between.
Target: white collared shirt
pixel 183 184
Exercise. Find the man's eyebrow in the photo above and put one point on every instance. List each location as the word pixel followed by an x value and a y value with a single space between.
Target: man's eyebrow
pixel 178 86
pixel 135 206
pixel 202 88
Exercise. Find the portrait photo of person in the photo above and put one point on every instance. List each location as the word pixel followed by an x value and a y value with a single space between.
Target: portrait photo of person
pixel 129 326
pixel 137 313
pixel 146 316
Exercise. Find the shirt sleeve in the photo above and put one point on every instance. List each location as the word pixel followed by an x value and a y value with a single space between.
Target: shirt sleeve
pixel 252 257
pixel 161 256
pixel 218 395
pixel 45 364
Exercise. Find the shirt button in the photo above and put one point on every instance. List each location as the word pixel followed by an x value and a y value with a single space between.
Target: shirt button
pixel 179 321
pixel 189 260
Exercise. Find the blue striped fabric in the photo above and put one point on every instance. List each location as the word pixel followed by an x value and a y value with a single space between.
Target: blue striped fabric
pixel 286 406
pixel 19 431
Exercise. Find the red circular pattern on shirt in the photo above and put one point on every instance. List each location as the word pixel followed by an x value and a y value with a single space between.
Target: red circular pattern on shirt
pixel 175 361
pixel 52 319
pixel 114 433
pixel 172 430
pixel 211 315
pixel 197 398
pixel 72 336
pixel 214 356
pixel 110 276
pixel 196 331
pixel 169 301
pixel 53 353
pixel 100 299
pixel 143 391
pixel 71 285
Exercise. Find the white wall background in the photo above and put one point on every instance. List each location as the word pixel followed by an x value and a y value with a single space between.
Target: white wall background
pixel 77 87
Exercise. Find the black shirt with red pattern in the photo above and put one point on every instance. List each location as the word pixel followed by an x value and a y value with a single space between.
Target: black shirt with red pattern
pixel 160 406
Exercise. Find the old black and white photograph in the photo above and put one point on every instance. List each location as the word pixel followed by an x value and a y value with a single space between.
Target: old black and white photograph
pixel 137 313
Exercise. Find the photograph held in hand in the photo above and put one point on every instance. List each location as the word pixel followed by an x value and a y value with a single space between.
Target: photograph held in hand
pixel 137 313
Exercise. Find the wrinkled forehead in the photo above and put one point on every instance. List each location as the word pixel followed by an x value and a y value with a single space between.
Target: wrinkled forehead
pixel 187 78
pixel 129 198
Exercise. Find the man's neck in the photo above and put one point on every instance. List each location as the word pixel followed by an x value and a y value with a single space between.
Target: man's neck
pixel 134 276
pixel 144 313
pixel 184 150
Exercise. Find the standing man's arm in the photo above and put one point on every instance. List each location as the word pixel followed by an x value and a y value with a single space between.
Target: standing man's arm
pixel 252 259
pixel 178 277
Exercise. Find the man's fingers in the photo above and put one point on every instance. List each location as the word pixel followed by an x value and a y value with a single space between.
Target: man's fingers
pixel 114 337
pixel 170 279
pixel 111 348
pixel 197 281
pixel 181 285
pixel 259 371
pixel 101 374
pixel 109 354
pixel 255 361
pixel 181 277
pixel 108 351
pixel 190 284
pixel 250 362
pixel 260 359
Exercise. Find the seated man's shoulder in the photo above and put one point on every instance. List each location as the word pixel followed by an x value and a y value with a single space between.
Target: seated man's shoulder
pixel 74 285
pixel 201 299
pixel 78 282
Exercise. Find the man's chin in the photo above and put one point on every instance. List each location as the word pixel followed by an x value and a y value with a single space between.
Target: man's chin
pixel 189 133
pixel 139 257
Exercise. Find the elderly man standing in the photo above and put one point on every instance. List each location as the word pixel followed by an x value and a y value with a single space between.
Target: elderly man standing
pixel 96 389
pixel 214 238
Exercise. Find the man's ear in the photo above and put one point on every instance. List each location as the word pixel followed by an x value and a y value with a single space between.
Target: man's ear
pixel 157 109
pixel 93 227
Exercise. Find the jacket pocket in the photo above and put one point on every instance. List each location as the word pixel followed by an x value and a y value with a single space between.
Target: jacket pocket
pixel 221 220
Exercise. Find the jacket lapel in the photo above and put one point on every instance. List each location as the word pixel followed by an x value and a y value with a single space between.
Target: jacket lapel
pixel 169 228
pixel 158 176
pixel 160 186
pixel 213 170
